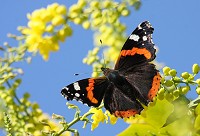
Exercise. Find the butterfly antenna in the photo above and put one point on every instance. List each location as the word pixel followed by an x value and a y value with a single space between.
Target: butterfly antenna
pixel 104 63
pixel 77 74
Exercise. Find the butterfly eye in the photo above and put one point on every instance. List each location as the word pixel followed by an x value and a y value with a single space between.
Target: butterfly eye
pixel 102 68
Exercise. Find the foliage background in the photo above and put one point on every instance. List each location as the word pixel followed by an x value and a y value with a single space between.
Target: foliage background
pixel 176 34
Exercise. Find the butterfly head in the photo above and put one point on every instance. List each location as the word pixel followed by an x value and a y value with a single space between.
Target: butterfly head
pixel 106 71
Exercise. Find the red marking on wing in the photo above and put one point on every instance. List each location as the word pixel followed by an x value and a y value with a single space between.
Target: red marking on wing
pixel 155 86
pixel 90 89
pixel 126 114
pixel 134 50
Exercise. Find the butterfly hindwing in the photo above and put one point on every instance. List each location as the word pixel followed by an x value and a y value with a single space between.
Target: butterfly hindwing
pixel 89 91
pixel 145 79
pixel 138 47
pixel 120 104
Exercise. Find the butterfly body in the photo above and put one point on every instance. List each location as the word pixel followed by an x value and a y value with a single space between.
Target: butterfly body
pixel 132 81
pixel 114 78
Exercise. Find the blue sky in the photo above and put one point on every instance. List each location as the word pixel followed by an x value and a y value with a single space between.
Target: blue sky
pixel 176 34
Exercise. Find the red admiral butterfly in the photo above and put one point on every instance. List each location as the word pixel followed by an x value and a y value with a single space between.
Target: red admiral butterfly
pixel 132 81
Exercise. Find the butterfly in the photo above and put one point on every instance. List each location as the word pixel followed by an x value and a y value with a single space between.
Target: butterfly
pixel 133 81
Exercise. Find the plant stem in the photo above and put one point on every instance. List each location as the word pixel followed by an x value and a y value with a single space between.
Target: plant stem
pixel 18 100
pixel 75 120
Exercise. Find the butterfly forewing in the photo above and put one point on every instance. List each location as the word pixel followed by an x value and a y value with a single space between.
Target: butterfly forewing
pixel 89 91
pixel 138 48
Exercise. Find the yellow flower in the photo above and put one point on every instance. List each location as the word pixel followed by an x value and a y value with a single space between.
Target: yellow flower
pixel 49 28
pixel 58 20
pixel 41 36
pixel 37 27
pixel 47 45
pixel 97 117
pixel 86 25
pixel 138 119
pixel 61 9
pixel 62 33
pixel 94 125
pixel 32 41
pixel 46 16
pixel 113 119
pixel 52 8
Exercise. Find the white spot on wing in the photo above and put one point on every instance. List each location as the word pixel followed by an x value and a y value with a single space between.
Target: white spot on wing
pixel 76 86
pixel 139 27
pixel 77 94
pixel 134 37
pixel 144 38
pixel 66 88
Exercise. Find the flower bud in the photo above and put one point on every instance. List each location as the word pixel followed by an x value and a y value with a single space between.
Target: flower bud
pixel 195 68
pixel 168 83
pixel 172 72
pixel 176 93
pixel 166 70
pixel 198 81
pixel 161 91
pixel 86 25
pixel 185 75
pixel 185 89
pixel 198 90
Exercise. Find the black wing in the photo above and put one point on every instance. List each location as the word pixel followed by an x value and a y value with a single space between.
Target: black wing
pixel 145 79
pixel 121 104
pixel 138 48
pixel 89 91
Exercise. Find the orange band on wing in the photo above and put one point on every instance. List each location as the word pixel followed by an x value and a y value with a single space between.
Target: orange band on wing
pixel 155 86
pixel 90 89
pixel 134 50
pixel 125 114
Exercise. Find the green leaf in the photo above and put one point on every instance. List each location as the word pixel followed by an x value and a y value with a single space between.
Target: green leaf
pixel 180 109
pixel 197 109
pixel 157 115
pixel 139 130
pixel 197 123
pixel 151 119
pixel 181 127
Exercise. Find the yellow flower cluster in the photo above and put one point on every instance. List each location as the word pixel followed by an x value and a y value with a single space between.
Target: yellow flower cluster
pixel 99 116
pixel 46 28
